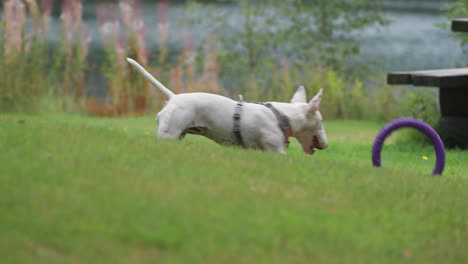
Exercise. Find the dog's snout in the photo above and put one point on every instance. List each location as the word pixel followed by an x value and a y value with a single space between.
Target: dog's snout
pixel 318 144
pixel 322 146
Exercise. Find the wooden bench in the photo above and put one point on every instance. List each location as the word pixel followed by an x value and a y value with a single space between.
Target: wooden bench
pixel 453 95
pixel 460 25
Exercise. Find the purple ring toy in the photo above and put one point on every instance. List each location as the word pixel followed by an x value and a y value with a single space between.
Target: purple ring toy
pixel 413 123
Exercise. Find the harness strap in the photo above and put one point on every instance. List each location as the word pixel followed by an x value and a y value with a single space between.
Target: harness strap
pixel 283 122
pixel 236 127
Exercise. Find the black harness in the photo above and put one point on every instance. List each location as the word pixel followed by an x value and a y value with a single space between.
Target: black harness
pixel 236 127
pixel 283 122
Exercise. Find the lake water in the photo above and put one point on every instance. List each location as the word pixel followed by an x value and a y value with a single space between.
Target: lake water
pixel 412 41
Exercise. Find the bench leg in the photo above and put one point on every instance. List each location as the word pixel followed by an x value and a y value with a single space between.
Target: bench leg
pixel 454 131
pixel 453 125
pixel 453 101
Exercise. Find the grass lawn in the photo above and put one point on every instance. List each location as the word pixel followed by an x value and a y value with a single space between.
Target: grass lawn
pixel 90 190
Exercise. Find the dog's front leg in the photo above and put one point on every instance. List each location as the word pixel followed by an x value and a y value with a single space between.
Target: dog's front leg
pixel 274 148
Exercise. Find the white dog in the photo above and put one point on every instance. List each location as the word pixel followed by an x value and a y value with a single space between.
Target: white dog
pixel 251 125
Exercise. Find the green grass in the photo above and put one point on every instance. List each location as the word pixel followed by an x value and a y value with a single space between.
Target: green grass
pixel 89 190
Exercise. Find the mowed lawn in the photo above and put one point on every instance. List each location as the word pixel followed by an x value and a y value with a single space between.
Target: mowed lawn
pixel 76 189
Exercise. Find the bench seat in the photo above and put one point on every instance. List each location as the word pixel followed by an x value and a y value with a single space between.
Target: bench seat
pixel 445 78
pixel 460 25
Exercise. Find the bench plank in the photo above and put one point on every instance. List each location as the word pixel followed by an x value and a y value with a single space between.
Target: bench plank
pixel 444 78
pixel 460 25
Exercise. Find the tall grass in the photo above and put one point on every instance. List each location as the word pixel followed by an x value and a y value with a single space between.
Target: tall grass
pixel 74 48
pixel 30 71
pixel 22 68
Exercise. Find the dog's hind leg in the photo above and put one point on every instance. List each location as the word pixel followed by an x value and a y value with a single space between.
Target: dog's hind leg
pixel 172 124
pixel 166 131
pixel 169 134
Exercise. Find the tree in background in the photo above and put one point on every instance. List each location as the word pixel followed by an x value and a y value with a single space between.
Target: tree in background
pixel 258 36
pixel 458 9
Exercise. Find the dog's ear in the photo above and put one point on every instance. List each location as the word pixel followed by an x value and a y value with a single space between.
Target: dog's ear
pixel 314 104
pixel 299 96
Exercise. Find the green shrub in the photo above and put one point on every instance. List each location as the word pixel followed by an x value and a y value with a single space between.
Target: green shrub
pixel 423 105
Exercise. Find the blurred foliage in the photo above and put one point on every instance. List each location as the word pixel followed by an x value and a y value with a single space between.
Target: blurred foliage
pixel 268 34
pixel 261 49
pixel 424 106
pixel 457 9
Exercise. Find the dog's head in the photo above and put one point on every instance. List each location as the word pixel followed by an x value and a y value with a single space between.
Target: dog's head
pixel 311 133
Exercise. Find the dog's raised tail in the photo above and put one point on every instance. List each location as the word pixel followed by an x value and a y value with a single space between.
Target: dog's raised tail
pixel 148 76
